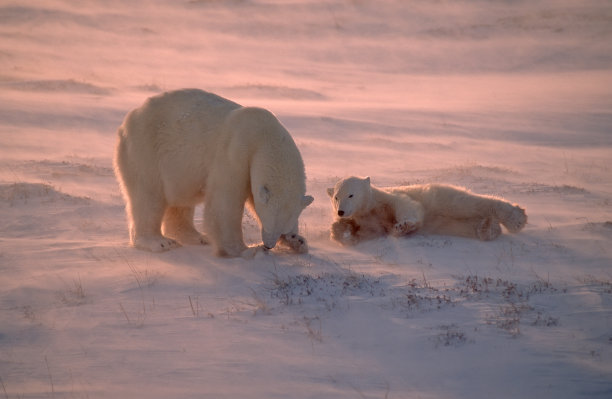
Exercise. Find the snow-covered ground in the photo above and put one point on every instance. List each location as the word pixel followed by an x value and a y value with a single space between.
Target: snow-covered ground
pixel 506 98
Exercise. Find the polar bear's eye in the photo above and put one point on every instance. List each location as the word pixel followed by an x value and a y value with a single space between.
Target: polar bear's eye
pixel 351 196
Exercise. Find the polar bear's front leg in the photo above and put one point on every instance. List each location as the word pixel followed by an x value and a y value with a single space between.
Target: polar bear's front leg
pixel 223 223
pixel 145 224
pixel 345 231
pixel 178 224
pixel 409 216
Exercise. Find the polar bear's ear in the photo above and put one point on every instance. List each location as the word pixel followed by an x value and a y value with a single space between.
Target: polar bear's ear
pixel 367 179
pixel 264 194
pixel 330 191
pixel 307 200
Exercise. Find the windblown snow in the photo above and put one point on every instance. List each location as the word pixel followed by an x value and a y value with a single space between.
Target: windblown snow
pixel 505 98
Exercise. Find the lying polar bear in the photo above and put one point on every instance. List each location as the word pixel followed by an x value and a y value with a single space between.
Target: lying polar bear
pixel 365 212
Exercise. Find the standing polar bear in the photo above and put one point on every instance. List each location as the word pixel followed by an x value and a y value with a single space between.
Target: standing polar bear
pixel 187 146
pixel 365 212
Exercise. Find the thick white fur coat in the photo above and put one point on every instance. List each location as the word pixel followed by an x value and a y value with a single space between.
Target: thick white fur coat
pixel 364 211
pixel 187 146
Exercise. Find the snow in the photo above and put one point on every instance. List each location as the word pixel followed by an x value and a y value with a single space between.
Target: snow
pixel 505 98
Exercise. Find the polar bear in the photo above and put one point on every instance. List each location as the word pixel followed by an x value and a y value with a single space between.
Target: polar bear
pixel 365 211
pixel 188 146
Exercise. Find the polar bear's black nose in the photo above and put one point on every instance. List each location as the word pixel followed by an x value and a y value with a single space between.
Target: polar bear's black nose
pixel 340 213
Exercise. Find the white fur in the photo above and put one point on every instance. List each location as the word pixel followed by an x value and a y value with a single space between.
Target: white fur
pixel 184 147
pixel 365 212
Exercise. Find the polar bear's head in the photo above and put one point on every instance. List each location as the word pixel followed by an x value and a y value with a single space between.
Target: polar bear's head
pixel 278 212
pixel 350 196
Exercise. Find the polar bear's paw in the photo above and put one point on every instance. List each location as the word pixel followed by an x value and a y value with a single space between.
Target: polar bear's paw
pixel 488 229
pixel 344 231
pixel 295 242
pixel 194 239
pixel 155 244
pixel 405 227
pixel 515 220
pixel 187 237
pixel 256 251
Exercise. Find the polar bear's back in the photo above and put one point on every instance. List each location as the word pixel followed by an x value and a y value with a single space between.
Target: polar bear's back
pixel 417 192
pixel 176 123
pixel 181 102
pixel 432 196
pixel 179 113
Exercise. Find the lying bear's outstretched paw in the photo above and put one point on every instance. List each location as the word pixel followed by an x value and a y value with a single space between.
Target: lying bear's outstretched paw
pixel 404 227
pixel 344 231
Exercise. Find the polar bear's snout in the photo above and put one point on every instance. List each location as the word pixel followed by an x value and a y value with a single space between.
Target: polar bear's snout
pixel 345 208
pixel 269 240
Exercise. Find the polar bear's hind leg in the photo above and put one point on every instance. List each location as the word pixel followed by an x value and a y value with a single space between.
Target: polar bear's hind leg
pixel 145 229
pixel 488 229
pixel 178 224
pixel 457 203
pixel 513 217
